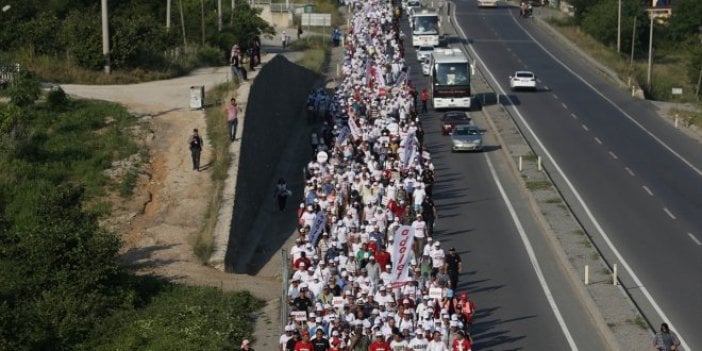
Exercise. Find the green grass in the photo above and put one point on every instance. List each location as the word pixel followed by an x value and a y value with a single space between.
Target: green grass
pixel 315 52
pixel 553 200
pixel 221 161
pixel 531 157
pixel 586 243
pixel 639 322
pixel 126 186
pixel 534 185
pixel 177 317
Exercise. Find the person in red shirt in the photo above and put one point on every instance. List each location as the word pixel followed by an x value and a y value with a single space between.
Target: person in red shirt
pixel 303 261
pixel 462 343
pixel 379 344
pixel 383 258
pixel 304 344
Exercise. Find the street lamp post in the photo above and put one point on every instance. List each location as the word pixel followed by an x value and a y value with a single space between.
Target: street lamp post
pixel 650 53
pixel 105 37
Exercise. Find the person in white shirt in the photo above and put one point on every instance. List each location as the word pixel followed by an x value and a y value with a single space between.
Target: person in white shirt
pixel 419 342
pixel 436 344
pixel 420 234
pixel 398 343
pixel 283 340
pixel 438 257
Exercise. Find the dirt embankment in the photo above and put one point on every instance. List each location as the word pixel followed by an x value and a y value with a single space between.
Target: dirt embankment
pixel 273 110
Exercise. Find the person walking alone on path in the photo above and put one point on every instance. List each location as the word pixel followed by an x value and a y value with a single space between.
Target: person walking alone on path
pixel 284 39
pixel 282 193
pixel 666 340
pixel 195 143
pixel 425 98
pixel 233 110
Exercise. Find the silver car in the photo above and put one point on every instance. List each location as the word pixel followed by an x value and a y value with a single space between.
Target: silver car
pixel 466 137
pixel 426 67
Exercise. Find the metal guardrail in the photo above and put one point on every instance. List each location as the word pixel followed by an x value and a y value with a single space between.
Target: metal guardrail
pixel 284 296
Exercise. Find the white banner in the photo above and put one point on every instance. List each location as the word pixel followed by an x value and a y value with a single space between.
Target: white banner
pixel 401 254
pixel 435 293
pixel 355 131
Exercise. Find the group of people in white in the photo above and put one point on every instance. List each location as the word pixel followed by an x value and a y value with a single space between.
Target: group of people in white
pixel 359 280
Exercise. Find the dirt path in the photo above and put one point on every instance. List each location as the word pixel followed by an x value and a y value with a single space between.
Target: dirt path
pixel 159 222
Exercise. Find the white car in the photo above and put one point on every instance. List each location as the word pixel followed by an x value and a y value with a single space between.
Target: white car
pixel 426 67
pixel 522 80
pixel 424 52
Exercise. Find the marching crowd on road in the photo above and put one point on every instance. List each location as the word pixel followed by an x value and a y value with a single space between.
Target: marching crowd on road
pixel 368 273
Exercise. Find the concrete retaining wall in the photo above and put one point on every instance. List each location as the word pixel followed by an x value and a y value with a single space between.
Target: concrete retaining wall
pixel 275 103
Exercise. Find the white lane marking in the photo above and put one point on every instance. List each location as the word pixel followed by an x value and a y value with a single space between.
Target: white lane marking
pixel 613 155
pixel 647 190
pixel 694 238
pixel 628 170
pixel 657 139
pixel 670 214
pixel 564 106
pixel 570 185
pixel 532 256
pixel 597 140
pixel 549 297
pixel 574 116
pixel 555 96
pixel 586 128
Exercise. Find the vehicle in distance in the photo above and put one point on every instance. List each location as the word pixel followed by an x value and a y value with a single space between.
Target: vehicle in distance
pixel 466 138
pixel 487 3
pixel 451 120
pixel 450 79
pixel 412 5
pixel 522 80
pixel 426 67
pixel 425 28
pixel 424 52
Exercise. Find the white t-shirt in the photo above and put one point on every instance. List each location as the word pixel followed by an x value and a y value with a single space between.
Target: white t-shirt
pixel 419 344
pixel 438 258
pixel 437 346
pixel 419 228
pixel 401 345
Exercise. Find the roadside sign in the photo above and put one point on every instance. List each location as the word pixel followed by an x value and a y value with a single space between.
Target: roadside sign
pixel 677 91
pixel 316 19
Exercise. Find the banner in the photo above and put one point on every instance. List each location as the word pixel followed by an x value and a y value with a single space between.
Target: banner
pixel 343 135
pixel 410 147
pixel 299 316
pixel 355 130
pixel 435 294
pixel 317 227
pixel 401 254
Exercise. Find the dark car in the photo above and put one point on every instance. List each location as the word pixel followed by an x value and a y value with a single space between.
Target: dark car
pixel 450 120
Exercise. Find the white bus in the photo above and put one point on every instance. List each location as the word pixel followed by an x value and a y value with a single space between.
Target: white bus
pixel 450 79
pixel 425 29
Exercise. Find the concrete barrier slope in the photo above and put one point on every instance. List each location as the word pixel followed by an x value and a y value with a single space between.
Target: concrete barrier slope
pixel 277 98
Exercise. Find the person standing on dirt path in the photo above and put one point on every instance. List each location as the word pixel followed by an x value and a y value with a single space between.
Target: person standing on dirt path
pixel 284 39
pixel 233 110
pixel 282 193
pixel 195 143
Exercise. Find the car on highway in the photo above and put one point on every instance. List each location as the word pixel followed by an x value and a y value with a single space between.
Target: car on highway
pixel 452 119
pixel 424 52
pixel 522 80
pixel 426 67
pixel 466 138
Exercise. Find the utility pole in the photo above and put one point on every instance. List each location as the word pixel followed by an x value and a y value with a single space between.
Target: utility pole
pixel 231 15
pixel 219 15
pixel 619 27
pixel 650 53
pixel 168 15
pixel 633 40
pixel 202 20
pixel 699 82
pixel 182 25
pixel 105 37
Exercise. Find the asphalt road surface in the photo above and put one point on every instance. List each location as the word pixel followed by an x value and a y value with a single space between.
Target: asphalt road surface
pixel 514 312
pixel 632 178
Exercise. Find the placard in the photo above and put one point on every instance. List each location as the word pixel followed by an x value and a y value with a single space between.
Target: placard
pixel 299 316
pixel 338 302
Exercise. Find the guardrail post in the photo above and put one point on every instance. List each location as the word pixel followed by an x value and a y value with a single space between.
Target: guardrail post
pixel 521 163
pixel 614 275
pixel 587 275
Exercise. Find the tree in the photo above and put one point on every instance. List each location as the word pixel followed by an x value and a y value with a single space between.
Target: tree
pixel 686 21
pixel 24 90
pixel 600 21
pixel 59 274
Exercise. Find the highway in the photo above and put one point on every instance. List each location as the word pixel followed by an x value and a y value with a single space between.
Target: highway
pixel 514 312
pixel 633 180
